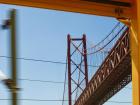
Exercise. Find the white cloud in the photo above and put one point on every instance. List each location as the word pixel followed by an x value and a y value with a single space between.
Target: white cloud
pixel 2 75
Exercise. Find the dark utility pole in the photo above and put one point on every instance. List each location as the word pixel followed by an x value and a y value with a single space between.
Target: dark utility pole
pixel 13 56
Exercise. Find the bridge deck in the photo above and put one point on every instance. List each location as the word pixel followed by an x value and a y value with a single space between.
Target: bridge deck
pixel 113 74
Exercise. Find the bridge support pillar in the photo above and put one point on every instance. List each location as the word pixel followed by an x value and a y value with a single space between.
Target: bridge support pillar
pixel 135 49
pixel 77 69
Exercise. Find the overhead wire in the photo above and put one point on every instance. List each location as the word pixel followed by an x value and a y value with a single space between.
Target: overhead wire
pixel 120 102
pixel 36 60
pixel 45 100
pixel 35 80
pixel 41 60
pixel 54 82
pixel 35 100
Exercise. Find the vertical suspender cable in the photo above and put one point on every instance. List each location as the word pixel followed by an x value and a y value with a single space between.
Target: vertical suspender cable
pixel 64 83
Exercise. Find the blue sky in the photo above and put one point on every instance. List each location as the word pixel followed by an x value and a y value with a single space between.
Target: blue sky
pixel 42 34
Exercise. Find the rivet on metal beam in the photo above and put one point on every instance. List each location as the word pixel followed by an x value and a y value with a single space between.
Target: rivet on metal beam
pixel 119 11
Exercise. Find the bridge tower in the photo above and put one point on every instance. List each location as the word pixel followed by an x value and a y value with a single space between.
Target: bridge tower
pixel 77 69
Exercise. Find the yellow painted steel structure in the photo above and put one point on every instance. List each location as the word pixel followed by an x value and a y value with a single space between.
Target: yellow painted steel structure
pixel 135 47
pixel 128 14
pixel 81 6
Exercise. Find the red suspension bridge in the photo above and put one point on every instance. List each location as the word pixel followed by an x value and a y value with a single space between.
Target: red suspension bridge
pixel 113 67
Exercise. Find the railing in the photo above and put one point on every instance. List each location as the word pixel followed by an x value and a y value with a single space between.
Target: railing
pixel 104 79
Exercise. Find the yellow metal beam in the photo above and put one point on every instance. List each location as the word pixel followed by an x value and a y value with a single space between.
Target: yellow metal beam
pixel 135 47
pixel 102 10
pixel 80 6
pixel 127 1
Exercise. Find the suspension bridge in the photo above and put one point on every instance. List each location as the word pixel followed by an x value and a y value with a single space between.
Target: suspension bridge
pixel 112 59
pixel 116 56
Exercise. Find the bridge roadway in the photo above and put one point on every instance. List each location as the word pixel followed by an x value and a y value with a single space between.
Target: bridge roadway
pixel 113 74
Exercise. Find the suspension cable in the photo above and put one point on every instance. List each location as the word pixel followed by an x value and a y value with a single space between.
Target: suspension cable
pixel 63 99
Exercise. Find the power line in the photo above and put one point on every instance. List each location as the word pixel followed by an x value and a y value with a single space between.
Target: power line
pixel 55 82
pixel 37 80
pixel 128 88
pixel 34 80
pixel 34 100
pixel 123 102
pixel 41 60
pixel 36 60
